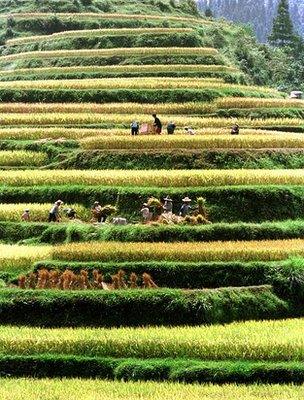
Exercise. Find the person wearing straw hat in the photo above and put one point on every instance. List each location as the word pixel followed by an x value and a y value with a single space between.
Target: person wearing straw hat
pixel 168 205
pixel 186 207
pixel 26 215
pixel 96 212
pixel 145 212
pixel 54 214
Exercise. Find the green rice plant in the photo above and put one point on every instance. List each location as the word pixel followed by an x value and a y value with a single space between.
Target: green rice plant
pixel 21 158
pixel 266 250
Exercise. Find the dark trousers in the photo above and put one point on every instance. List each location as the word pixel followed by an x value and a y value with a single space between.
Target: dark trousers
pixel 52 217
pixel 134 131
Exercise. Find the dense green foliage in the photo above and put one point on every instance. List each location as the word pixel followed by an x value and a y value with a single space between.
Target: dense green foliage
pixel 139 307
pixel 132 369
pixel 46 233
pixel 183 159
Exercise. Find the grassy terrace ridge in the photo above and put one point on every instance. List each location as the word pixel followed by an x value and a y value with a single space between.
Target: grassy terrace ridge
pixel 100 15
pixel 96 33
pixel 148 178
pixel 116 69
pixel 38 229
pixel 69 389
pixel 280 340
pixel 167 307
pixel 115 52
pixel 287 140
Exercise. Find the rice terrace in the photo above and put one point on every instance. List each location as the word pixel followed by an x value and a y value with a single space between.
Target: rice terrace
pixel 151 202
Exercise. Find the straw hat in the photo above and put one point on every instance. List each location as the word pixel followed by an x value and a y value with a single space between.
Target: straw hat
pixel 186 199
pixel 168 199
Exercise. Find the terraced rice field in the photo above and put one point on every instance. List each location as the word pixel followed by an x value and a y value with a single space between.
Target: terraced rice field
pixel 210 295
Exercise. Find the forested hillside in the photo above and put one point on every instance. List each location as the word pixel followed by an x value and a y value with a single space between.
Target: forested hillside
pixel 259 14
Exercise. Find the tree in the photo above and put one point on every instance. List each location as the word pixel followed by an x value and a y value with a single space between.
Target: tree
pixel 208 13
pixel 282 31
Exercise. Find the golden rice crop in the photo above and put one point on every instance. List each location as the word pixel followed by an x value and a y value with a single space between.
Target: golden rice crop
pixel 36 119
pixel 262 340
pixel 128 83
pixel 18 158
pixel 133 83
pixel 147 178
pixel 69 389
pixel 194 142
pixel 38 212
pixel 44 134
pixel 115 52
pixel 118 69
pixel 96 33
pixel 241 102
pixel 108 108
pixel 18 257
pixel 266 250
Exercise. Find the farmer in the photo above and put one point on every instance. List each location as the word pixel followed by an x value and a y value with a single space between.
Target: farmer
pixel 171 128
pixel 96 211
pixel 54 215
pixel 186 207
pixel 235 130
pixel 190 130
pixel 134 128
pixel 26 215
pixel 168 205
pixel 157 124
pixel 71 213
pixel 145 212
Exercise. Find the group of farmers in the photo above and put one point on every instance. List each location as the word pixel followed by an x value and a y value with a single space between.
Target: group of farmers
pixel 157 127
pixel 167 207
pixel 171 126
pixel 55 216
